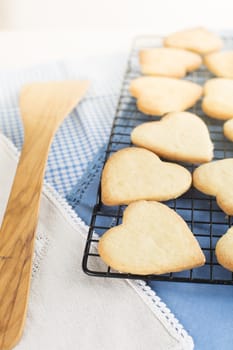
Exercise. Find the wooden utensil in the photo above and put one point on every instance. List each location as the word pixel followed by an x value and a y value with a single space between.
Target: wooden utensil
pixel 43 107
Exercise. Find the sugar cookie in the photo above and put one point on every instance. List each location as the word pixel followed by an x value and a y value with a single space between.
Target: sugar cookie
pixel 152 239
pixel 168 62
pixel 218 100
pixel 161 95
pixel 134 173
pixel 220 63
pixel 180 136
pixel 224 249
pixel 199 40
pixel 216 179
pixel 228 129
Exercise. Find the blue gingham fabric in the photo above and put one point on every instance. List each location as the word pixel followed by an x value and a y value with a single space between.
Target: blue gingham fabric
pixel 85 130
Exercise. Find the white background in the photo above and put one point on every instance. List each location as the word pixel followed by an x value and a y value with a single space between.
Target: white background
pixel 53 29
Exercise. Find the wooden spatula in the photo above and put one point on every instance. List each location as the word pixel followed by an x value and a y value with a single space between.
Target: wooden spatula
pixel 43 108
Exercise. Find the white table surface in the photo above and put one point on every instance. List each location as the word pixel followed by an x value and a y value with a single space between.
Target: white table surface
pixel 52 29
pixel 26 48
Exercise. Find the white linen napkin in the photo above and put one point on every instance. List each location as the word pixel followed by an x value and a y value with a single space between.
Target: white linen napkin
pixel 70 310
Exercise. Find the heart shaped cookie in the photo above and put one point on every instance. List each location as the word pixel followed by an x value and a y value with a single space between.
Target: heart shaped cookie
pixel 216 179
pixel 224 249
pixel 199 40
pixel 228 129
pixel 218 100
pixel 134 173
pixel 161 95
pixel 168 62
pixel 181 136
pixel 151 239
pixel 220 63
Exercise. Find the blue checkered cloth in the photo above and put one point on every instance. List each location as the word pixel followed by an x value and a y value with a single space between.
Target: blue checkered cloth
pixel 85 131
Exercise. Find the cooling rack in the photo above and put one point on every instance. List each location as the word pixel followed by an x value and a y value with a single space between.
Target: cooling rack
pixel 201 212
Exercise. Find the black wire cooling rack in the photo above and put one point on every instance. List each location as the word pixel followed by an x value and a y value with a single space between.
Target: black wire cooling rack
pixel 200 212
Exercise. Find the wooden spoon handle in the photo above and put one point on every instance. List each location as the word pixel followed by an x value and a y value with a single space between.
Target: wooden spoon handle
pixel 17 236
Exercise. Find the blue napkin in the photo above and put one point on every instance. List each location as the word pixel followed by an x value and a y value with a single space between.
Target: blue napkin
pixel 206 311
pixel 88 126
